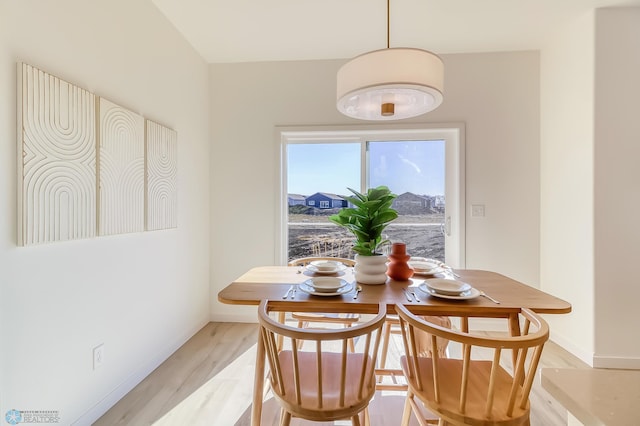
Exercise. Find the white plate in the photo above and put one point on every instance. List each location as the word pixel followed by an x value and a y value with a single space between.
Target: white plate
pixel 446 286
pixel 326 284
pixel 339 268
pixel 425 259
pixel 470 294
pixel 308 289
pixel 325 265
pixel 438 270
pixel 425 267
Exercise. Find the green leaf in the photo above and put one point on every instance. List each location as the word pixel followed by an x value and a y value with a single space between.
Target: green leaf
pixel 385 217
pixel 366 221
pixel 377 193
pixel 357 194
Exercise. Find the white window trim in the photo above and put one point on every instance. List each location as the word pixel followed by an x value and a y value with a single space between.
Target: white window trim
pixel 452 133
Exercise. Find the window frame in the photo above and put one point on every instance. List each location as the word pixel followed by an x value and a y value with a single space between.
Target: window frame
pixel 452 133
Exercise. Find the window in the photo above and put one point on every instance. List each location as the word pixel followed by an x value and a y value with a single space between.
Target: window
pixel 423 165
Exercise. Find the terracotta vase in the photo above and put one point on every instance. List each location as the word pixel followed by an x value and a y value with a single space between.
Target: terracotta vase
pixel 398 268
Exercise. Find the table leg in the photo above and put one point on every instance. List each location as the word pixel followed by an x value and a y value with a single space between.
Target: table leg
pixel 514 329
pixel 258 383
pixel 514 324
pixel 281 317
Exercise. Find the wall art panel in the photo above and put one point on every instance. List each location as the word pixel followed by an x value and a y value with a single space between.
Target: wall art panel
pixel 162 176
pixel 121 170
pixel 56 159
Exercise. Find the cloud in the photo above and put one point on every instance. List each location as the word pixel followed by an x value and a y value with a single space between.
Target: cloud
pixel 411 164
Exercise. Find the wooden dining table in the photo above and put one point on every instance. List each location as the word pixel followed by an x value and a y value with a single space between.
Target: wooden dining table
pixel 272 282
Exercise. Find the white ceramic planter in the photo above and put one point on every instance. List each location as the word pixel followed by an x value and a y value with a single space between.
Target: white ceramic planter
pixel 371 269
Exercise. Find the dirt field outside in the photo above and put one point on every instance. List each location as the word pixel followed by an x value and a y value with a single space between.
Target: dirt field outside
pixel 314 235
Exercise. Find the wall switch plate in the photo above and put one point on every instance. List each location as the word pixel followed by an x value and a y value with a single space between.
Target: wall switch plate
pixel 98 356
pixel 477 210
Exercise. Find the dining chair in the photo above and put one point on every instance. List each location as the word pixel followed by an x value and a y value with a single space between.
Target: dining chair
pixel 423 342
pixel 392 327
pixel 321 380
pixel 480 386
pixel 320 319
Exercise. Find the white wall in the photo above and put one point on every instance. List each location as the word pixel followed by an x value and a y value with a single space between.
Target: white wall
pixel 142 294
pixel 566 162
pixel 496 95
pixel 617 194
pixel 589 184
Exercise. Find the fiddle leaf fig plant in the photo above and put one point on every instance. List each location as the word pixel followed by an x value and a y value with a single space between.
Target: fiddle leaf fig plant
pixel 366 221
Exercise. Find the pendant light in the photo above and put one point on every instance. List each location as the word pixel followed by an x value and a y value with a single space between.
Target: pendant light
pixel 390 84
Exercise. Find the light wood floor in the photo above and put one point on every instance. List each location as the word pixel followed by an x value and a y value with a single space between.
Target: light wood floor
pixel 209 380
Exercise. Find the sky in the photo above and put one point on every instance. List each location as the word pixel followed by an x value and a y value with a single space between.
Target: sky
pixel 403 166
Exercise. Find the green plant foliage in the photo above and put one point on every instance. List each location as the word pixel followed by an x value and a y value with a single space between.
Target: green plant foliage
pixel 372 213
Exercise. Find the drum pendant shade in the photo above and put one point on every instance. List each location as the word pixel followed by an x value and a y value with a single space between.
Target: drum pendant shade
pixel 390 84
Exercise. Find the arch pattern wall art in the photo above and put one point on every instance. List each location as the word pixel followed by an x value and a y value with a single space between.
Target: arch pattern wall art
pixel 162 177
pixel 56 159
pixel 87 166
pixel 121 170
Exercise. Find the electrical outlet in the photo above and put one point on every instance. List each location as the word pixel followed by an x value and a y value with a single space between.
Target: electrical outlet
pixel 98 356
pixel 477 210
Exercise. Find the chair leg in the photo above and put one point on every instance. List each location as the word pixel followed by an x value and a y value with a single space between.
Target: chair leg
pixel 355 420
pixel 386 333
pixel 267 387
pixel 352 345
pixel 302 324
pixel 285 418
pixel 406 413
pixel 367 419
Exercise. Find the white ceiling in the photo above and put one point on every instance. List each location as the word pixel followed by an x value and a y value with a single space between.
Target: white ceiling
pixel 282 30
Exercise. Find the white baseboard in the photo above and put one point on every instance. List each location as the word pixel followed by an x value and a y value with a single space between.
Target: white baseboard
pixel 139 374
pixel 570 347
pixel 594 360
pixel 234 317
pixel 616 362
pixel 572 421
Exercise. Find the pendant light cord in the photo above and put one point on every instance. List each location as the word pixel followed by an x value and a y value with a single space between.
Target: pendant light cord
pixel 388 23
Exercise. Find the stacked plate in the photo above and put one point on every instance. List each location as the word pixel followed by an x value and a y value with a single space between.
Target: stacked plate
pixel 449 289
pixel 426 267
pixel 325 267
pixel 325 286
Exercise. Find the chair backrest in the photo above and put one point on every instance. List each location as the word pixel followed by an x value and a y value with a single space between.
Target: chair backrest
pixel 480 385
pixel 333 247
pixel 423 340
pixel 321 379
pixel 304 261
